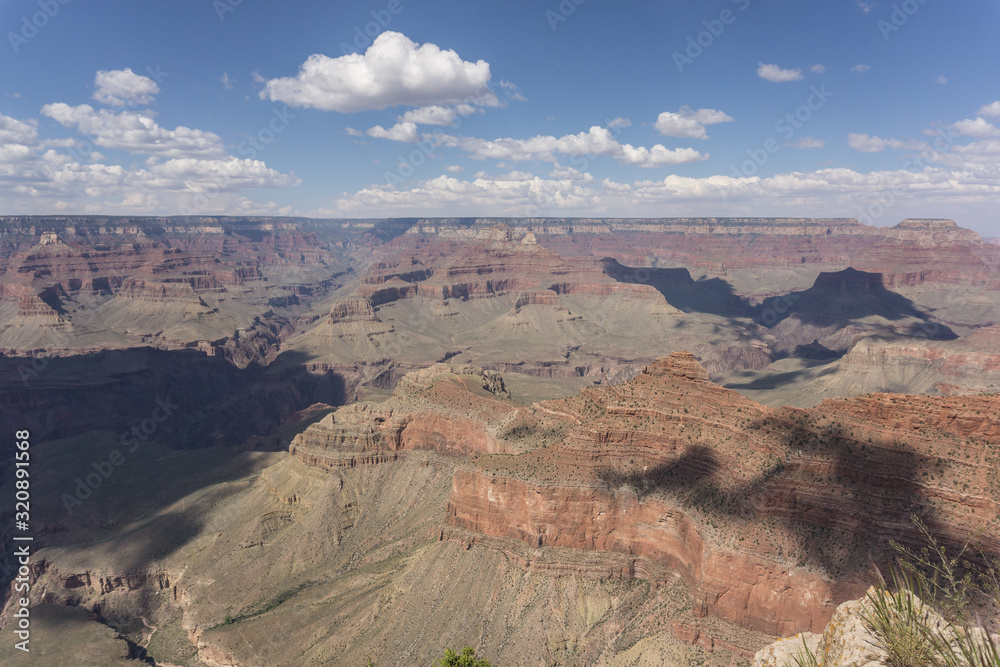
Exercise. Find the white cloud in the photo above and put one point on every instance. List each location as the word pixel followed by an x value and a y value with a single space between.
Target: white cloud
pixel 617 122
pixel 808 142
pixel 689 123
pixel 942 79
pixel 406 132
pixel 188 169
pixel 512 90
pixel 454 168
pixel 560 172
pixel 986 151
pixel 517 193
pixel 978 128
pixel 227 83
pixel 596 141
pixel 861 68
pixel 229 174
pixel 394 70
pixel 659 155
pixel 866 7
pixel 14 131
pixel 991 110
pixel 817 69
pixel 869 144
pixel 775 74
pixel 819 193
pixel 54 181
pixel 135 132
pixel 121 87
pixel 432 115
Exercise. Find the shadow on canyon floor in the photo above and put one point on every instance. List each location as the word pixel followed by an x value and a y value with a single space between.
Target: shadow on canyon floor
pixel 816 369
pixel 182 396
pixel 849 295
pixel 713 296
pixel 173 416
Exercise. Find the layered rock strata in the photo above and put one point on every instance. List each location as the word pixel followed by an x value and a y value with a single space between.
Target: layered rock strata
pixel 770 516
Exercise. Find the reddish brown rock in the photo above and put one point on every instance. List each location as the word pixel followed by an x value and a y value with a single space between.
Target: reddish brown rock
pixel 770 516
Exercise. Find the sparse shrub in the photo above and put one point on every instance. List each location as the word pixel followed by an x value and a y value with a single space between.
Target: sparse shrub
pixel 898 619
pixel 466 659
pixel 900 615
pixel 805 657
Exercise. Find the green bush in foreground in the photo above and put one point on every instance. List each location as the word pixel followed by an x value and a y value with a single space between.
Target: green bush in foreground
pixel 466 659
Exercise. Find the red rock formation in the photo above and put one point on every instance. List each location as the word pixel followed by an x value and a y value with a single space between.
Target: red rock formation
pixel 944 252
pixel 353 310
pixel 769 515
pixel 422 415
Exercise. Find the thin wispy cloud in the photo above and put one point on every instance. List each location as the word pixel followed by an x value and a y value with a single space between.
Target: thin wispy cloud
pixel 806 143
pixel 776 74
pixel 869 144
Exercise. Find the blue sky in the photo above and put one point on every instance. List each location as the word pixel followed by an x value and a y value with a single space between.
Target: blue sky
pixel 876 110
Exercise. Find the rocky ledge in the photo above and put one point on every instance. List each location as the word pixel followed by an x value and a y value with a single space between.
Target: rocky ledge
pixel 771 517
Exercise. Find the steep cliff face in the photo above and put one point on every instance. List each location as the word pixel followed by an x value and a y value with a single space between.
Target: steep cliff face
pixel 770 516
pixel 457 410
pixel 945 252
pixel 878 363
